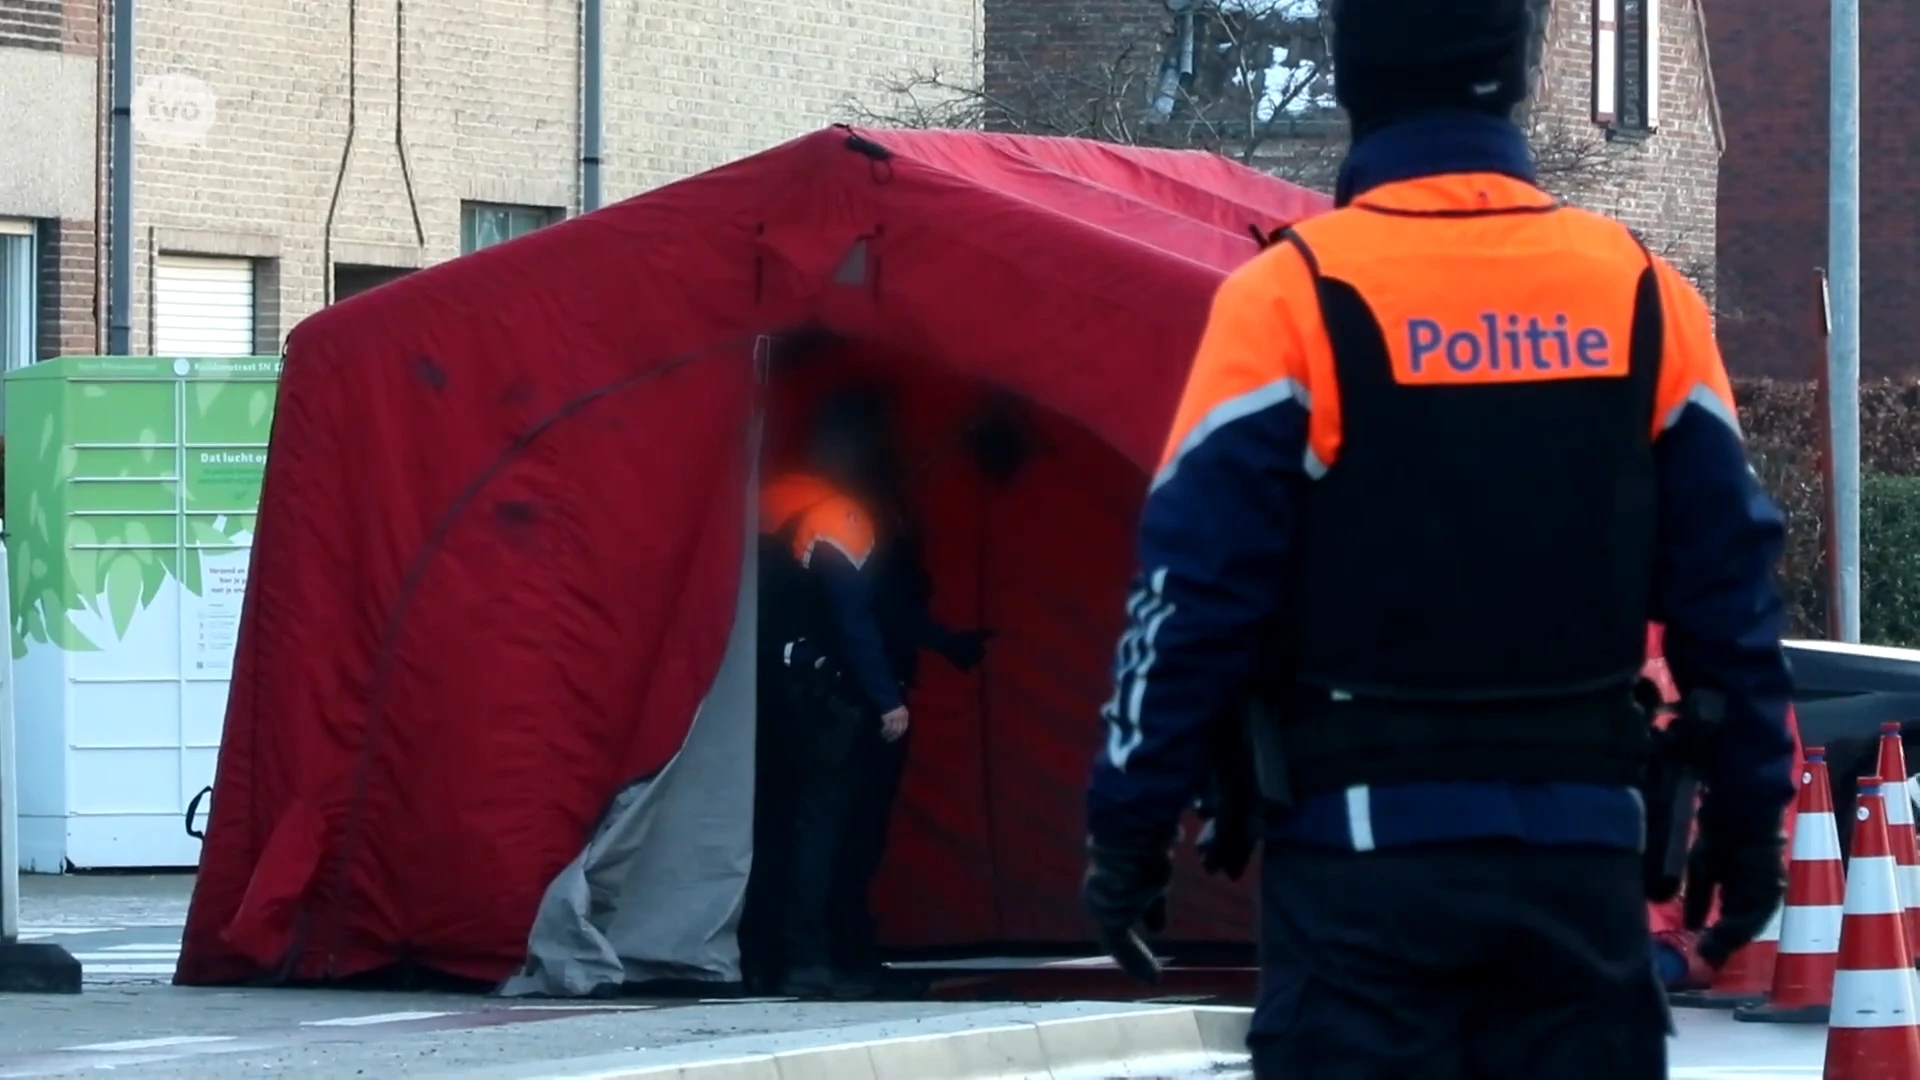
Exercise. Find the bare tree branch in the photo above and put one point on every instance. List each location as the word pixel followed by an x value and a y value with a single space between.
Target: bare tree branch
pixel 1091 102
pixel 1572 164
pixel 1247 79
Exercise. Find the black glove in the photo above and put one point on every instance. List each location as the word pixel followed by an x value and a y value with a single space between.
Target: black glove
pixel 1125 888
pixel 964 649
pixel 1225 849
pixel 1751 879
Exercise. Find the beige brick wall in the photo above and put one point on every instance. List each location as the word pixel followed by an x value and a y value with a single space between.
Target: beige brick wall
pixel 491 110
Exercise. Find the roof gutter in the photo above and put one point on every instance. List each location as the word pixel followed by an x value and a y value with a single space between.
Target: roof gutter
pixel 592 49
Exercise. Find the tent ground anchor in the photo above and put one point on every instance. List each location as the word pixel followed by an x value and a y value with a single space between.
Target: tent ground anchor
pixel 37 967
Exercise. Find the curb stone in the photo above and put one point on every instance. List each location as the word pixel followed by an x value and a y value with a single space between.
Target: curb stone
pixel 1076 1041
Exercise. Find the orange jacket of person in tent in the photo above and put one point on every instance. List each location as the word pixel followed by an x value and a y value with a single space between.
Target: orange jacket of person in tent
pixel 832 537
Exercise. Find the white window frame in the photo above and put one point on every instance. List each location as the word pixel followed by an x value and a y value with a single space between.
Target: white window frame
pixel 1608 56
pixel 29 334
pixel 1606 59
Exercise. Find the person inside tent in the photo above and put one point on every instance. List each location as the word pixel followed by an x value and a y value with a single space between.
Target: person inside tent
pixel 825 686
pixel 902 591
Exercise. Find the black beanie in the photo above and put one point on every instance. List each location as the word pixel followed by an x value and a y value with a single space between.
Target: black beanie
pixel 1395 57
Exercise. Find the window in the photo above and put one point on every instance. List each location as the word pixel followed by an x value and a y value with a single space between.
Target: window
pixel 19 294
pixel 203 306
pixel 486 224
pixel 1626 65
pixel 350 278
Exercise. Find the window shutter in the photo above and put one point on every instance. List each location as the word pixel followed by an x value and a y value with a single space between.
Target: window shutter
pixel 1606 59
pixel 1654 64
pixel 202 306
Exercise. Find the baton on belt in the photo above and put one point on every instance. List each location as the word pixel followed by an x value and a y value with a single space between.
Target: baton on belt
pixel 1672 792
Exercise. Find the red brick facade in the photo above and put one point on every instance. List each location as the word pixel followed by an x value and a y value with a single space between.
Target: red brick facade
pixel 80 29
pixel 1771 62
pixel 68 321
pixel 1063 50
pixel 30 24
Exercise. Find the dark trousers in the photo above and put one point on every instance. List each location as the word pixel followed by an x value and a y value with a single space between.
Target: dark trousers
pixel 1470 962
pixel 803 771
pixel 878 766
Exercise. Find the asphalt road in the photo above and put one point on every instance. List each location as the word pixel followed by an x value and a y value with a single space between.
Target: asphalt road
pixel 131 1021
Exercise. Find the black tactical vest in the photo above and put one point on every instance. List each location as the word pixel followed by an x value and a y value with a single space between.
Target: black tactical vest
pixel 1476 568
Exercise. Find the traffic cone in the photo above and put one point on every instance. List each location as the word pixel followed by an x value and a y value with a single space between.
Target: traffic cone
pixel 1874 1033
pixel 1810 922
pixel 1906 851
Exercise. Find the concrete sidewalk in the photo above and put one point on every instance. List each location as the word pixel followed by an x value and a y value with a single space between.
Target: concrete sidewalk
pixel 166 1034
pixel 95 901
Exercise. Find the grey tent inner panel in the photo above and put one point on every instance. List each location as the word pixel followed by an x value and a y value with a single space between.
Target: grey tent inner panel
pixel 657 894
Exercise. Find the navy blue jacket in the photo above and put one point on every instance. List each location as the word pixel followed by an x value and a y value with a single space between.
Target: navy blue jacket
pixel 850 594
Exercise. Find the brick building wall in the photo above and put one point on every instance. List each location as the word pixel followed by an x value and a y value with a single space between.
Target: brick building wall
pixel 30 24
pixel 488 91
pixel 1662 184
pixel 1665 184
pixel 489 94
pixel 1773 194
pixel 1041 55
pixel 49 96
pixel 69 317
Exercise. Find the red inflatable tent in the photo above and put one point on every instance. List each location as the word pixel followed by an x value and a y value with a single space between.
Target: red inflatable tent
pixel 492 707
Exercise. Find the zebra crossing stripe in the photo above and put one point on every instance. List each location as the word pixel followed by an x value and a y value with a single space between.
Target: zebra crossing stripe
pixel 129 960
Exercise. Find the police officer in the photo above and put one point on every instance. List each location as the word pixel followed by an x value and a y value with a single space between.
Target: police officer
pixel 825 685
pixel 902 593
pixel 1455 445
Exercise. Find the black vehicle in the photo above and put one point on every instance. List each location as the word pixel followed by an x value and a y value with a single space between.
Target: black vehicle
pixel 1842 694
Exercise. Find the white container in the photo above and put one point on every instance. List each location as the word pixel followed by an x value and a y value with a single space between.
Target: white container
pixel 132 484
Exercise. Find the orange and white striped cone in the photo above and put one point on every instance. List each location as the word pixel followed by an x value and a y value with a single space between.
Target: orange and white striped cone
pixel 1874 1033
pixel 1810 921
pixel 1906 851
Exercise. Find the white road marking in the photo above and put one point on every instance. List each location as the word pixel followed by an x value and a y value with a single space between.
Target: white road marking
pixel 153 1044
pixel 89 969
pixel 595 1006
pixel 128 961
pixel 93 928
pixel 376 1018
pixel 1743 1072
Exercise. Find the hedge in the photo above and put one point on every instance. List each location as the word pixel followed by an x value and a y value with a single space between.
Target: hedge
pixel 1782 425
pixel 1890 560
